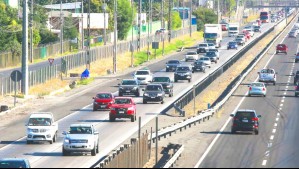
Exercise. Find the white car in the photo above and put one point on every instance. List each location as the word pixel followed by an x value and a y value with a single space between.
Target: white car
pixel 41 127
pixel 268 76
pixel 203 48
pixel 250 30
pixel 143 77
pixel 191 56
pixel 206 60
pixel 212 46
pixel 81 138
pixel 241 37
pixel 257 89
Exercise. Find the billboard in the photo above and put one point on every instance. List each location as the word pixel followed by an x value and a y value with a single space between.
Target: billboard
pixel 96 20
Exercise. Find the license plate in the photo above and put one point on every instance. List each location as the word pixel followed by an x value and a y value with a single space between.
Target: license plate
pixel 245 121
pixel 103 106
pixel 152 97
pixel 121 112
pixel 128 91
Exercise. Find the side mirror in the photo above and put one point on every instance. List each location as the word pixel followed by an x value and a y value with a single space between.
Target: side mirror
pixel 64 133
pixel 96 133
pixel 293 74
pixel 259 73
pixel 232 115
pixel 93 97
pixel 259 116
pixel 143 90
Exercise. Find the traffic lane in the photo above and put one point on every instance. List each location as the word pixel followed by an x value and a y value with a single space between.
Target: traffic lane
pixel 75 103
pixel 242 150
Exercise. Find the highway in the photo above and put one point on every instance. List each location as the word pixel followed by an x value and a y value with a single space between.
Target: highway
pixel 111 134
pixel 277 144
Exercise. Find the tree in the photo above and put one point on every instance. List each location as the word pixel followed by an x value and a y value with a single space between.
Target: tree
pixel 205 16
pixel 176 20
pixel 48 37
pixel 124 18
pixel 70 31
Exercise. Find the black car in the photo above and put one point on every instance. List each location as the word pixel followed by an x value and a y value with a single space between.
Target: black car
pixel 172 65
pixel 199 66
pixel 129 87
pixel 212 56
pixel 153 93
pixel 297 90
pixel 183 73
pixel 14 163
pixel 296 77
pixel 166 83
pixel 246 121
pixel 257 29
pixel 240 41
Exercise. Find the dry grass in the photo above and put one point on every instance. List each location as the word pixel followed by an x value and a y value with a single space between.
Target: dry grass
pixel 48 87
pixel 217 87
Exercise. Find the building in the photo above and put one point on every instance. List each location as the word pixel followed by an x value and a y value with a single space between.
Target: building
pixel 12 3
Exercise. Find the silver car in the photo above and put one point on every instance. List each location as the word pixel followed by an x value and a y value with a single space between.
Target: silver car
pixel 257 89
pixel 206 60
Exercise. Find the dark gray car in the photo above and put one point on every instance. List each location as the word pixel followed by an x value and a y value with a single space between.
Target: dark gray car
pixel 153 93
pixel 296 77
pixel 172 65
pixel 199 67
pixel 129 87
pixel 183 73
pixel 212 56
pixel 166 83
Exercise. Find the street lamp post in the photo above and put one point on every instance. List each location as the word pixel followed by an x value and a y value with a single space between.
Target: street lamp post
pixel 104 7
pixel 115 38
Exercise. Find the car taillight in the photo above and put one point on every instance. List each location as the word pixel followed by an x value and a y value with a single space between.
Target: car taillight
pixel 264 89
pixel 296 88
pixel 255 119
pixel 235 118
pixel 250 88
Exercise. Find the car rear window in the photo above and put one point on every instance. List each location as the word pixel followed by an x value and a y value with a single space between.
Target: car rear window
pixel 104 96
pixel 244 114
pixel 161 79
pixel 173 62
pixel 154 88
pixel 80 130
pixel 129 82
pixel 268 71
pixel 142 73
pixel 257 85
pixel 122 101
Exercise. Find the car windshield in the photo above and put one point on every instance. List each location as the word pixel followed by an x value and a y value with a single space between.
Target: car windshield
pixel 191 53
pixel 244 114
pixel 232 43
pixel 154 88
pixel 264 17
pixel 257 85
pixel 173 62
pixel 233 28
pixel 80 130
pixel 257 27
pixel 123 101
pixel 161 79
pixel 198 63
pixel 203 45
pixel 13 164
pixel 248 27
pixel 142 73
pixel 39 122
pixel 268 71
pixel 210 54
pixel 210 35
pixel 104 96
pixel 184 69
pixel 129 82
pixel 239 40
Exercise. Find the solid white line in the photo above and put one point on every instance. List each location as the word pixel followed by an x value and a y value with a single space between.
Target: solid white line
pixel 269 145
pixel 287 87
pixel 275 125
pixel 272 137
pixel 274 131
pixel 264 163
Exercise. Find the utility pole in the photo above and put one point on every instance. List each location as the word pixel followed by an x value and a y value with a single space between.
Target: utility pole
pixel 183 14
pixel 169 21
pixel 148 31
pixel 31 32
pixel 132 45
pixel 25 77
pixel 88 39
pixel 218 11
pixel 190 17
pixel 139 24
pixel 151 16
pixel 61 28
pixel 104 9
pixel 82 24
pixel 115 38
pixel 163 27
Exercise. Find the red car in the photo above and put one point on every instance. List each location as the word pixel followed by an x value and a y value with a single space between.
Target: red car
pixel 282 48
pixel 224 27
pixel 103 101
pixel 247 34
pixel 123 107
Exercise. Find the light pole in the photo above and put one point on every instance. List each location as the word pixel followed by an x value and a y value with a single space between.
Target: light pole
pixel 190 17
pixel 115 38
pixel 25 82
pixel 31 32
pixel 82 24
pixel 132 45
pixel 88 34
pixel 163 27
pixel 104 7
pixel 61 28
pixel 148 31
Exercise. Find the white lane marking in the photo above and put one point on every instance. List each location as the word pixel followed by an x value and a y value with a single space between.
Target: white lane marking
pixel 282 101
pixel 272 137
pixel 267 153
pixel 274 131
pixel 281 105
pixel 287 87
pixel 275 125
pixel 278 114
pixel 269 145
pixel 264 163
pixel 283 97
pixel 277 119
pixel 285 93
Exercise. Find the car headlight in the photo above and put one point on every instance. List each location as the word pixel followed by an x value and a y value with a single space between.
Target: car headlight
pixel 135 88
pixel 66 141
pixel 160 94
pixel 146 94
pixel 29 130
pixel 167 66
pixel 121 88
pixel 168 86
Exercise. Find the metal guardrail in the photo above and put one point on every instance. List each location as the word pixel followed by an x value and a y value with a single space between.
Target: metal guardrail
pixel 189 96
pixel 175 157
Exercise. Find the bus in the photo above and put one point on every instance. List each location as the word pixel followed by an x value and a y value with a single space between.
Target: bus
pixel 264 17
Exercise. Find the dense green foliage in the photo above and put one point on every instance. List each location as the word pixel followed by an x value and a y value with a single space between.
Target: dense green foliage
pixel 205 16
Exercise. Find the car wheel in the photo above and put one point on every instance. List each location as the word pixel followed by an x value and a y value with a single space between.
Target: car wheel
pixel 171 94
pixel 120 94
pixel 189 81
pixel 55 137
pixel 274 83
pixel 249 95
pixel 256 132
pixel 98 149
pixel 167 70
pixel 51 142
pixel 175 80
pixel 286 53
pixel 162 102
pixel 204 71
pixel 111 119
pixel 233 132
pixel 138 94
pixel 65 152
pixel 144 102
pixel 94 108
pixel 265 95
pixel 133 119
pixel 94 152
pixel 29 142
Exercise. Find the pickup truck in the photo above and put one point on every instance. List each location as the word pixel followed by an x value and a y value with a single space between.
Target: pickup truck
pixel 42 127
pixel 81 138
pixel 268 76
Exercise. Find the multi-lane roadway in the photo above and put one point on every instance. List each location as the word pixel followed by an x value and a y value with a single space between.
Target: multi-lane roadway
pixel 111 134
pixel 277 144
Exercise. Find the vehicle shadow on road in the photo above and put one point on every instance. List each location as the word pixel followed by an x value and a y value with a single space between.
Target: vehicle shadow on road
pixel 290 96
pixel 101 121
pixel 285 90
pixel 44 154
pixel 12 142
pixel 224 133
pixel 82 110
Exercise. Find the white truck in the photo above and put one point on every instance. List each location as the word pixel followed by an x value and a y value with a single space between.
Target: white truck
pixel 42 127
pixel 213 34
pixel 233 29
pixel 81 138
